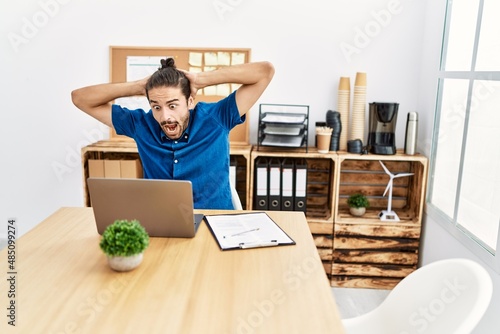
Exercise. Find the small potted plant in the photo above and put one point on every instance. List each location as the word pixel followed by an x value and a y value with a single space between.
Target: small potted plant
pixel 124 242
pixel 357 204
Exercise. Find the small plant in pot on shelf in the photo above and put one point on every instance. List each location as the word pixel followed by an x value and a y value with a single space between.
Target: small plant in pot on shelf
pixel 357 204
pixel 124 242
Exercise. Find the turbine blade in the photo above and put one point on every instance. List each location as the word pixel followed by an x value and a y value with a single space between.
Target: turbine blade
pixel 403 174
pixel 389 185
pixel 385 168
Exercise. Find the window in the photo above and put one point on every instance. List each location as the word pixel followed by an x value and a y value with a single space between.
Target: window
pixel 465 165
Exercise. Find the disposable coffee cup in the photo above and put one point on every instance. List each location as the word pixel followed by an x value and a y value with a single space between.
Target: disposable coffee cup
pixel 344 84
pixel 360 80
pixel 324 142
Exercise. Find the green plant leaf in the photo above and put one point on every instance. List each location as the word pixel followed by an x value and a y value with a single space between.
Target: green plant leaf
pixel 358 201
pixel 124 238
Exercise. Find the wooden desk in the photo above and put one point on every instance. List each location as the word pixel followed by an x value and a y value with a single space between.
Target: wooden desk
pixel 64 284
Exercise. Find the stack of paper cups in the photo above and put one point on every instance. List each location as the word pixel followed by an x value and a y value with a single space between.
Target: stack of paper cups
pixel 357 129
pixel 343 107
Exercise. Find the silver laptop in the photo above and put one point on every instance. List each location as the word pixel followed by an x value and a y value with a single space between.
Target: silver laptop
pixel 163 207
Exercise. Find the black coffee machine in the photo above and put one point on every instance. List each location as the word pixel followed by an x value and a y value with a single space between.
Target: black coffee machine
pixel 382 128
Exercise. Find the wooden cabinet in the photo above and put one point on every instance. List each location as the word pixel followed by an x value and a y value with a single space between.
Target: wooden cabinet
pixel 355 251
pixel 320 193
pixel 369 252
pixel 121 150
pixel 361 251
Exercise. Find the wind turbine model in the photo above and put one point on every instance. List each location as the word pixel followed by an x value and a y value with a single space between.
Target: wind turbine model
pixel 389 215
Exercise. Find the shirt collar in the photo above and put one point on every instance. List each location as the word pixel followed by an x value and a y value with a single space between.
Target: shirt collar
pixel 183 137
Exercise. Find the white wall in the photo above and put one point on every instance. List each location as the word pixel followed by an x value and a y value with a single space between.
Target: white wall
pixel 50 47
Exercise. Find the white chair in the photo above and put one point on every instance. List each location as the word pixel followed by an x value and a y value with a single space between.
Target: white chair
pixel 447 296
pixel 235 199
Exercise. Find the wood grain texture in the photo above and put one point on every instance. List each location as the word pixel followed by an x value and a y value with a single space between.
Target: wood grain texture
pixel 371 270
pixel 364 282
pixel 182 286
pixel 338 236
pixel 375 257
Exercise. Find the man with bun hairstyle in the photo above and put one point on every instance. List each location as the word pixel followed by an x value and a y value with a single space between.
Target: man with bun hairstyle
pixel 175 139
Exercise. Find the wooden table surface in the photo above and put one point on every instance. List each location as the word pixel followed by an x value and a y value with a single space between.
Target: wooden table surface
pixel 64 285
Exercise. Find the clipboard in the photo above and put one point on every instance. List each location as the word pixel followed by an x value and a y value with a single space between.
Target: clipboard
pixel 246 230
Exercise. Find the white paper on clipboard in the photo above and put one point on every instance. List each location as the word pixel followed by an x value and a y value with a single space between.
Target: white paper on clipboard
pixel 246 230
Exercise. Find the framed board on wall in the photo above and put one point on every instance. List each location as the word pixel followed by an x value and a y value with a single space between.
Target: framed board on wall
pixel 133 63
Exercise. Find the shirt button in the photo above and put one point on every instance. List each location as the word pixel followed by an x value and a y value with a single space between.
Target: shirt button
pixel 176 161
pixel 175 142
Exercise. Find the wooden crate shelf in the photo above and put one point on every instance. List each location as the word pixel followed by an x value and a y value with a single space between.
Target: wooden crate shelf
pixel 364 174
pixel 320 179
pixel 319 194
pixel 356 251
pixel 241 154
pixel 368 252
pixel 319 188
pixel 117 149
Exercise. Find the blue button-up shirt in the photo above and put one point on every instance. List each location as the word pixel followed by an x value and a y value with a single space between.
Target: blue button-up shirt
pixel 200 155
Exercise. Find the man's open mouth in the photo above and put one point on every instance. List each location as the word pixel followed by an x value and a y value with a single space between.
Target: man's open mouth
pixel 170 127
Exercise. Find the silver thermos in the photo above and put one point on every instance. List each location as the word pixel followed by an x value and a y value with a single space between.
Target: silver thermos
pixel 411 133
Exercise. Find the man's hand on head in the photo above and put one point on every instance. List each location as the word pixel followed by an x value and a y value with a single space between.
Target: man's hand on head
pixel 143 83
pixel 191 76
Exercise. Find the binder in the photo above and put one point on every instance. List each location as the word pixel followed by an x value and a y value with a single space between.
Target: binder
pixel 300 186
pixel 232 171
pixel 261 184
pixel 274 192
pixel 287 185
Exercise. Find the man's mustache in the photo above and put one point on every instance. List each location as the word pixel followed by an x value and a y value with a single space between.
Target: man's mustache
pixel 168 122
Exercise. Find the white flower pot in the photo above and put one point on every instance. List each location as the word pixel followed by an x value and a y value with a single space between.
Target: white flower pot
pixel 358 212
pixel 124 263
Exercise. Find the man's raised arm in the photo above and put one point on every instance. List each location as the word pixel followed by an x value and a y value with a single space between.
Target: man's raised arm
pixel 97 100
pixel 253 77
